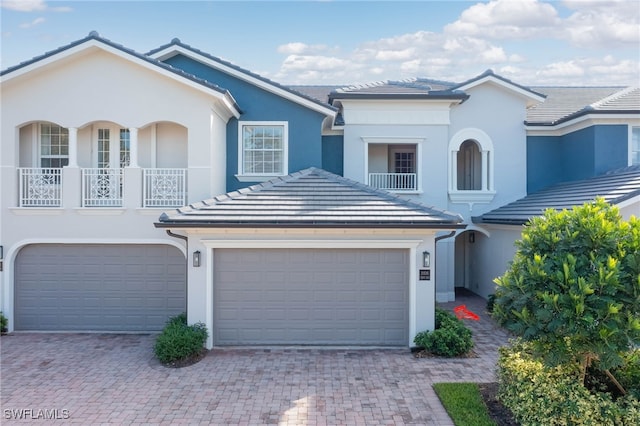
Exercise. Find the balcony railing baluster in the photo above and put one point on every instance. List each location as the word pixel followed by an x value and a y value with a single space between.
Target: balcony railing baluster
pixel 394 181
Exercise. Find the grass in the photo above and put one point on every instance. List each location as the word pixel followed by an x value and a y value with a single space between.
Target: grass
pixel 463 403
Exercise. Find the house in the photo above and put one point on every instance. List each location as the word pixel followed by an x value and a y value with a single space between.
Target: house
pixel 275 215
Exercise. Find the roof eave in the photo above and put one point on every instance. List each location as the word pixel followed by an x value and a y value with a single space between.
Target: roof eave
pixel 399 96
pixel 298 225
pixel 582 114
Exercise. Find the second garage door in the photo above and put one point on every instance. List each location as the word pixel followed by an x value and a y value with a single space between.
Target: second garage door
pixel 311 296
pixel 92 287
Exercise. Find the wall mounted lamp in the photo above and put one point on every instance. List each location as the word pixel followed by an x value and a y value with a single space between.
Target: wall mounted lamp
pixel 196 259
pixel 1 252
pixel 426 259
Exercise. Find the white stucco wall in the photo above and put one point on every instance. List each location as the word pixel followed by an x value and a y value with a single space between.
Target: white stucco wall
pixel 500 114
pixel 83 91
pixel 200 279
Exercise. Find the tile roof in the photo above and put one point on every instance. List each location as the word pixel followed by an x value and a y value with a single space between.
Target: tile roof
pixel 615 187
pixel 564 103
pixel 415 88
pixel 489 73
pixel 309 198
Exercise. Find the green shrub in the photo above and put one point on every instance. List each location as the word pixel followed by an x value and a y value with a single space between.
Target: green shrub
pixel 4 322
pixel 491 300
pixel 179 341
pixel 572 287
pixel 540 395
pixel 450 337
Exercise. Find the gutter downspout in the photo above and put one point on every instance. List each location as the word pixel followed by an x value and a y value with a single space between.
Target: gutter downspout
pixel 186 266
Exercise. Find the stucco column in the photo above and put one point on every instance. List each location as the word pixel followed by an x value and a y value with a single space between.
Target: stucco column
pixel 485 170
pixel 73 147
pixel 453 171
pixel 133 147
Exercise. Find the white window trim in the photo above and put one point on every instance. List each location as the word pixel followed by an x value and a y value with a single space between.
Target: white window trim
pixel 395 141
pixel 630 144
pixel 261 177
pixel 487 193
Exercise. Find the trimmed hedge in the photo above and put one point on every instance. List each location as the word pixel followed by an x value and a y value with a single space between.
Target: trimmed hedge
pixel 179 341
pixel 450 337
pixel 540 395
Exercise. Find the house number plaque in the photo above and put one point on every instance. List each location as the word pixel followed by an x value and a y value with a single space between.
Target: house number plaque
pixel 425 274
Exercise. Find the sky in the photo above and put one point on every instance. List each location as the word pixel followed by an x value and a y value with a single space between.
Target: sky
pixel 531 42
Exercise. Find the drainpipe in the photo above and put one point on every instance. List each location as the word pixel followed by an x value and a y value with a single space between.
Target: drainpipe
pixel 186 267
pixel 435 249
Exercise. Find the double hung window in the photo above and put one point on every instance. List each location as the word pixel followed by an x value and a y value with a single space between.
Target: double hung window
pixel 263 149
pixel 54 146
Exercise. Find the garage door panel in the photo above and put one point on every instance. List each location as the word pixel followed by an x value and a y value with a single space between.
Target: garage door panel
pixel 308 296
pixel 98 287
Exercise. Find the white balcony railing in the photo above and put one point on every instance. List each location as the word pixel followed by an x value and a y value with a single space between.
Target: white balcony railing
pixel 102 187
pixel 40 187
pixel 164 188
pixel 394 181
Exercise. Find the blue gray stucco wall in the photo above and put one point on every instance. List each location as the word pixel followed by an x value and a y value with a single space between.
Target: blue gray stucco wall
pixel 578 155
pixel 333 154
pixel 305 147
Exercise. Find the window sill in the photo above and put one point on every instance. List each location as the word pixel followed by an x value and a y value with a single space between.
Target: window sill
pixel 257 178
pixel 471 196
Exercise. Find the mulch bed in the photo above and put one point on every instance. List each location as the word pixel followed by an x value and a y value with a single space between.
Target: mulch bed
pixel 498 412
pixel 186 362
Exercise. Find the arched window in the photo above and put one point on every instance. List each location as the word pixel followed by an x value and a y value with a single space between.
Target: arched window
pixel 471 167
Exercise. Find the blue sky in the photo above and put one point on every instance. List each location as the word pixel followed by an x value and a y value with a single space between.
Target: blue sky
pixel 533 42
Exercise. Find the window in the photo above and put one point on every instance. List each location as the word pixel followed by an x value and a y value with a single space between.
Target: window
pixel 471 167
pixel 635 146
pixel 263 149
pixel 125 148
pixel 103 148
pixel 54 146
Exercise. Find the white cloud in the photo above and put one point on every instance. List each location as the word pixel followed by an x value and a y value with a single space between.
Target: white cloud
pixel 31 6
pixel 598 24
pixel 33 23
pixel 508 36
pixel 505 19
pixel 298 48
pixel 24 5
pixel 396 55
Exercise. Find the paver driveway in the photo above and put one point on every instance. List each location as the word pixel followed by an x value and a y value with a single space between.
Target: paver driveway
pixel 107 378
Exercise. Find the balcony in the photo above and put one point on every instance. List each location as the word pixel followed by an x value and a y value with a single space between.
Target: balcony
pixel 396 182
pixel 164 188
pixel 40 187
pixel 101 187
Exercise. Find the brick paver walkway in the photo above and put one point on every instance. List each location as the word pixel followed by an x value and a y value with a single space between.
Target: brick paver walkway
pixel 114 379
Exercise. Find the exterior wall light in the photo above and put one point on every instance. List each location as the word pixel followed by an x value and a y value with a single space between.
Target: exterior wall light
pixel 196 259
pixel 426 259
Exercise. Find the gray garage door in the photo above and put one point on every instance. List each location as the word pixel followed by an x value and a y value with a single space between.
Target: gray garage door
pixel 98 287
pixel 306 296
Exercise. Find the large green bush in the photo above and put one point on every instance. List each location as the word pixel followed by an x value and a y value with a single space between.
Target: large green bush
pixel 573 287
pixel 540 395
pixel 450 337
pixel 179 341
